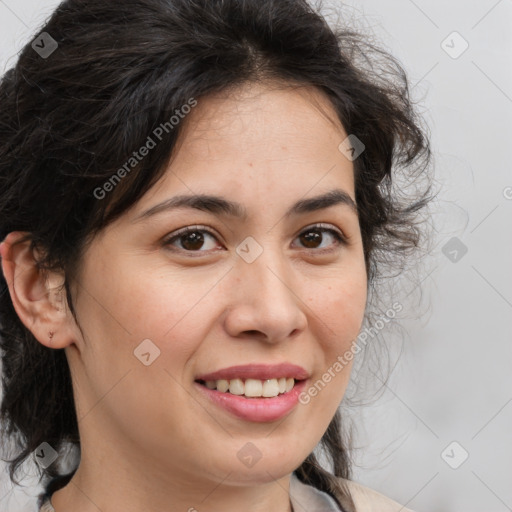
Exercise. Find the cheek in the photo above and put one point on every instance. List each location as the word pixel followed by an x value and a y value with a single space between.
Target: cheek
pixel 341 306
pixel 174 310
pixel 120 310
pixel 339 312
pixel 150 301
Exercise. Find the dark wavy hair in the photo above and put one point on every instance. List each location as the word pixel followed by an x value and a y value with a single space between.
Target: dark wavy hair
pixel 70 120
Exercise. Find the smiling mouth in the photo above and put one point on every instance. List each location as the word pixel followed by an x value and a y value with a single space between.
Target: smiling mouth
pixel 251 388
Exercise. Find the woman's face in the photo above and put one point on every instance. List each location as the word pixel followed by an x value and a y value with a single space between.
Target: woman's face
pixel 159 310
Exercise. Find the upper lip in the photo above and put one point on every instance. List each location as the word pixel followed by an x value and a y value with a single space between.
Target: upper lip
pixel 257 371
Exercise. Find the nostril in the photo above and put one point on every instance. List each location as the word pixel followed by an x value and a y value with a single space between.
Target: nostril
pixel 252 332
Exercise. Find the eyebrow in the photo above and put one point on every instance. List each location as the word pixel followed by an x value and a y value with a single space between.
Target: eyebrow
pixel 221 206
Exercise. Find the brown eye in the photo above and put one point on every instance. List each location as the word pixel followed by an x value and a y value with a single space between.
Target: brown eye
pixel 192 239
pixel 313 237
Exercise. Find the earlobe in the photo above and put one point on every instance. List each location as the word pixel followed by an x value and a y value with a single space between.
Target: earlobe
pixel 38 297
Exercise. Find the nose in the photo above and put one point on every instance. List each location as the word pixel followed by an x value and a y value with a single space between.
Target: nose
pixel 265 303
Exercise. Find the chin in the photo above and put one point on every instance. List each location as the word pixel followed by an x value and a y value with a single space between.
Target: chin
pixel 249 465
pixel 264 474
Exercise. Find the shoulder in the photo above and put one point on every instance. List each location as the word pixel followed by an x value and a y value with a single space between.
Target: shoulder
pixel 369 500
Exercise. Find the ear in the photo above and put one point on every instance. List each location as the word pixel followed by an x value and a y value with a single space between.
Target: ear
pixel 39 298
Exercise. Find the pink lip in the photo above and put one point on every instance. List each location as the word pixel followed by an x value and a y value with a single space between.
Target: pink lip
pixel 258 410
pixel 257 371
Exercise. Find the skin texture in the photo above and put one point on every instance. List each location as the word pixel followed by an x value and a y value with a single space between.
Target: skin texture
pixel 150 440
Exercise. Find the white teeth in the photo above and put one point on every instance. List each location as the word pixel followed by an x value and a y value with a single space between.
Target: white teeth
pixel 253 387
pixel 270 388
pixel 222 385
pixel 236 387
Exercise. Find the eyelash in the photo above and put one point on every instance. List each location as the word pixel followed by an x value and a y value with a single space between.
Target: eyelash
pixel 339 237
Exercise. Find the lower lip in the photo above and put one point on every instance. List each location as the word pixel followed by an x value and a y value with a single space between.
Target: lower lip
pixel 258 410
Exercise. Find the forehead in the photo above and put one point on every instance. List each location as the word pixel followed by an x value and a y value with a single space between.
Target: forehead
pixel 263 148
pixel 261 136
pixel 261 114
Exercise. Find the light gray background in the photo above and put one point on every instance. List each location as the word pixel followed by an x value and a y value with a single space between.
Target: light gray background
pixel 453 380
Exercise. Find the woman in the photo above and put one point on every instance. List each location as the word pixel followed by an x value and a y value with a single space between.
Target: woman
pixel 196 200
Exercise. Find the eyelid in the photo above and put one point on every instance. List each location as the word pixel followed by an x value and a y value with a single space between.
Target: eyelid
pixel 327 227
pixel 190 229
